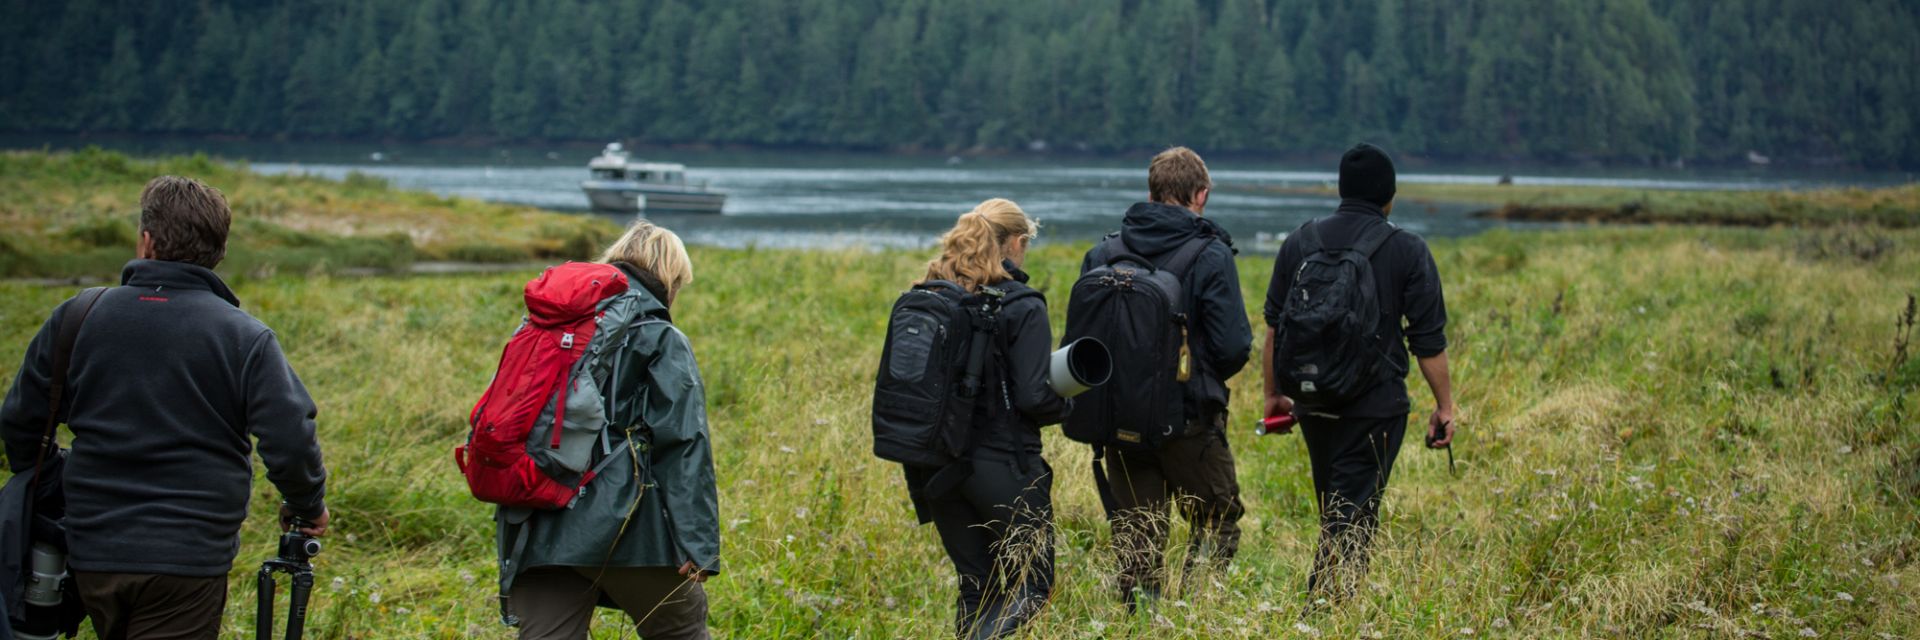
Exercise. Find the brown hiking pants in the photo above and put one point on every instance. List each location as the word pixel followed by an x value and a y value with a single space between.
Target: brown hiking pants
pixel 1196 473
pixel 557 602
pixel 152 607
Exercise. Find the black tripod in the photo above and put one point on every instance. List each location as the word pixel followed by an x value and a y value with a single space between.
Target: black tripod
pixel 295 550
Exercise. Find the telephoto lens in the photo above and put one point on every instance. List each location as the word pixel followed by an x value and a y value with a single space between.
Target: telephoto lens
pixel 47 574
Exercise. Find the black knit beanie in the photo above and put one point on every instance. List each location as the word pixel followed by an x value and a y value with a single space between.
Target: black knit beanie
pixel 1366 173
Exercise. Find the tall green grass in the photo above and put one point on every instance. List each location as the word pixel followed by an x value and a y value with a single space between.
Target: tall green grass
pixel 1665 432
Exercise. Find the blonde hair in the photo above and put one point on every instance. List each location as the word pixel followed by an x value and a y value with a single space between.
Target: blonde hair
pixel 1176 175
pixel 655 250
pixel 971 252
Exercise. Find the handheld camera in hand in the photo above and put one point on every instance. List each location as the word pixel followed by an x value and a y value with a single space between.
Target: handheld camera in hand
pixel 296 553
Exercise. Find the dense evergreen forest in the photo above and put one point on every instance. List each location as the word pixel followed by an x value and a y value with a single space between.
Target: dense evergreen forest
pixel 1615 80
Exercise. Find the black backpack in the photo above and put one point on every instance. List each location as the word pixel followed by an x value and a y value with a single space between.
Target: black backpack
pixel 1138 308
pixel 932 370
pixel 1325 351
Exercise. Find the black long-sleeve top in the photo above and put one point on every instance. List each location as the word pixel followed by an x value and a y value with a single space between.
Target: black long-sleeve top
pixel 1020 401
pixel 1408 286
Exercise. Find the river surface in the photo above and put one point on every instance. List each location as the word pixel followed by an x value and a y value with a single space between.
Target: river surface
pixel 840 199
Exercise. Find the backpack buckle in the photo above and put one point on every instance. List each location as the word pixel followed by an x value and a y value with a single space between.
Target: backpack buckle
pixel 566 341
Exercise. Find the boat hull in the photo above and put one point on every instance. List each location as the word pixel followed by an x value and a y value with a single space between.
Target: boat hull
pixel 625 197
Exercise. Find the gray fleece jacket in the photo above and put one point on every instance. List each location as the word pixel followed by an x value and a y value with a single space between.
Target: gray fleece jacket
pixel 169 386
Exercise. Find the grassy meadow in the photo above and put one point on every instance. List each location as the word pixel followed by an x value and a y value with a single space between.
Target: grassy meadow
pixel 1665 432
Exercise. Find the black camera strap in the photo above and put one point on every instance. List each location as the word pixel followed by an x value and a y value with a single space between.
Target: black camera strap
pixel 64 339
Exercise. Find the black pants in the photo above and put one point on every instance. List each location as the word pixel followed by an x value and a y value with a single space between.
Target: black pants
pixel 1352 459
pixel 1194 473
pixel 997 527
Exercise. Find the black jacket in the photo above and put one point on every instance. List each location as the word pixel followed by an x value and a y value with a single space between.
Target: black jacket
pixel 1020 401
pixel 1408 286
pixel 170 382
pixel 1212 287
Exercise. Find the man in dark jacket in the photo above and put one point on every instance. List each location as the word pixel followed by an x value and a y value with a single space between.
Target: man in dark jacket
pixel 1352 447
pixel 1197 468
pixel 170 383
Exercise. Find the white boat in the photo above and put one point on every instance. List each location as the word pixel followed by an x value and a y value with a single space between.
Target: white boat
pixel 620 184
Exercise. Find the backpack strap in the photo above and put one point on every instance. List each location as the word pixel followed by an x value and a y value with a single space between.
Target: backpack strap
pixel 1309 234
pixel 63 342
pixel 1183 258
pixel 1372 239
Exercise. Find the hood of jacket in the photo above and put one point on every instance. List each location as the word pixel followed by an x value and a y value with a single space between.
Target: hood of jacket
pixel 653 294
pixel 1152 228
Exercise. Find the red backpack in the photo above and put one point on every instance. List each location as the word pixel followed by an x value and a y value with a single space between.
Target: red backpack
pixel 564 307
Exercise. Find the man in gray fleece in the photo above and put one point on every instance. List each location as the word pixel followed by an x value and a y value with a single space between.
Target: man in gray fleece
pixel 169 385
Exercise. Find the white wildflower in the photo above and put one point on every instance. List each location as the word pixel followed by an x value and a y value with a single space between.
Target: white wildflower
pixel 889 602
pixel 1843 596
pixel 374 597
pixel 1500 623
pixel 1808 632
pixel 339 583
pixel 1264 607
pixel 800 512
pixel 1097 625
pixel 786 449
pixel 789 537
pixel 1466 631
pixel 1846 449
pixel 403 611
pixel 1303 628
pixel 466 576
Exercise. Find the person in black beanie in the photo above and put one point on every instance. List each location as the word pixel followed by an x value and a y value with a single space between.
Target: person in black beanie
pixel 1352 443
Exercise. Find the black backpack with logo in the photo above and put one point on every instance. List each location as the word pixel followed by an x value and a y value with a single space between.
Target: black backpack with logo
pixel 932 369
pixel 1325 352
pixel 1140 310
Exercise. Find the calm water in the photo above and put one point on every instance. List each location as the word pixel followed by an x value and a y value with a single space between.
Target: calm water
pixel 827 199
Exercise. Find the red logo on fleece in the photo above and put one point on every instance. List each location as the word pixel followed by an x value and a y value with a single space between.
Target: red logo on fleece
pixel 152 299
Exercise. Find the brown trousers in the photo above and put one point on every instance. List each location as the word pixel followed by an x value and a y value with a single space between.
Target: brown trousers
pixel 556 603
pixel 1196 473
pixel 152 607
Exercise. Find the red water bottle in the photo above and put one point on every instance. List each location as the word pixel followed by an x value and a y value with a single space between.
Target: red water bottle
pixel 1274 424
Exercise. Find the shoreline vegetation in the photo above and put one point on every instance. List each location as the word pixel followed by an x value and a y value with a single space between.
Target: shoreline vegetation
pixel 1668 431
pixel 1889 207
pixel 70 214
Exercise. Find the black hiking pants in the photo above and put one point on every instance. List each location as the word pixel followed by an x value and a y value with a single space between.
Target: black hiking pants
pixel 1193 473
pixel 997 527
pixel 1352 459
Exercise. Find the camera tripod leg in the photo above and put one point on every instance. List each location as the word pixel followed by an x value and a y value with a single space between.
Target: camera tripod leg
pixel 297 609
pixel 263 618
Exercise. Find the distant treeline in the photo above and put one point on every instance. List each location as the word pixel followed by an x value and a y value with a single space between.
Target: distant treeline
pixel 1619 80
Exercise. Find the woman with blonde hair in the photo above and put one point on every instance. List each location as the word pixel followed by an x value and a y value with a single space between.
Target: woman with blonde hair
pixel 993 507
pixel 645 534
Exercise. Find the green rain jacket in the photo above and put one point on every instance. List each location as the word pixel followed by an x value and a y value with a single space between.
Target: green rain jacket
pixel 655 504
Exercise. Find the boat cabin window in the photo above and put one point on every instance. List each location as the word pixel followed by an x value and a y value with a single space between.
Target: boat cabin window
pixel 607 174
pixel 642 175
